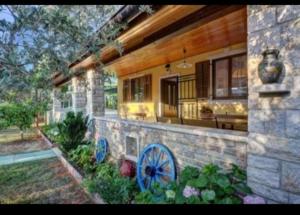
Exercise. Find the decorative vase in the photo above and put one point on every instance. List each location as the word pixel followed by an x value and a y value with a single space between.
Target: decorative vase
pixel 270 68
pixel 127 168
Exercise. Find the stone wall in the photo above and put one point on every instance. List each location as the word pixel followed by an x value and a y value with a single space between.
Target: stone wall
pixel 274 121
pixel 190 145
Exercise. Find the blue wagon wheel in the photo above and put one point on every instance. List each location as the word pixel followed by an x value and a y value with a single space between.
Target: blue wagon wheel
pixel 156 164
pixel 101 150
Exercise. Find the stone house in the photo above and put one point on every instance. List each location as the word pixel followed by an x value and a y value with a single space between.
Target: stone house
pixel 185 59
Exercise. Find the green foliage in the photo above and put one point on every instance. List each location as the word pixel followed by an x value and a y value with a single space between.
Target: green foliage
pixel 83 156
pixel 188 173
pixel 52 132
pixel 72 130
pixel 215 186
pixel 14 114
pixel 111 186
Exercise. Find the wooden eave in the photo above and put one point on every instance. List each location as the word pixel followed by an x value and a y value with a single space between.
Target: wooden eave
pixel 134 37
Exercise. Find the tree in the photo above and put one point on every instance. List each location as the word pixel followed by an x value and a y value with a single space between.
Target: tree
pixel 13 114
pixel 52 35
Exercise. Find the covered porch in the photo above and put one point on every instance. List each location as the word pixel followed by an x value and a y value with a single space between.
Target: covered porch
pixel 194 75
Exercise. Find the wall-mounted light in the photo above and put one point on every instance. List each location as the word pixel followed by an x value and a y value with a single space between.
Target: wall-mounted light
pixel 168 68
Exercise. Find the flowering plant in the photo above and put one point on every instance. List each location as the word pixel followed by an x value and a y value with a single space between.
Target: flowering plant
pixel 190 191
pixel 253 199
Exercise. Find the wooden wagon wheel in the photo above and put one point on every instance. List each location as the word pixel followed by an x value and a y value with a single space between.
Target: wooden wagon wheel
pixel 101 150
pixel 156 164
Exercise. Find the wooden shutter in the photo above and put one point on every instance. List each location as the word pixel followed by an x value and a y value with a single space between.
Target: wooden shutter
pixel 148 87
pixel 202 79
pixel 126 90
pixel 133 88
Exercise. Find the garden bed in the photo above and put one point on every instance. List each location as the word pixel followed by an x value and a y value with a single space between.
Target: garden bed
pixel 116 185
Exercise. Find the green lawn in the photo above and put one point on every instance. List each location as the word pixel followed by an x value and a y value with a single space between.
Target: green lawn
pixel 13 135
pixel 39 182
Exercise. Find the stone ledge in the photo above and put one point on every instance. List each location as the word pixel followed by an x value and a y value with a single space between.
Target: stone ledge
pixel 269 89
pixel 237 136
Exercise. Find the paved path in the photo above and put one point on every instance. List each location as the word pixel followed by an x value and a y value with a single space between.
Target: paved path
pixel 28 156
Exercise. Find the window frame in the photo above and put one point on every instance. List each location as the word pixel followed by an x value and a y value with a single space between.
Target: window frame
pixel 143 80
pixel 230 96
pixel 126 155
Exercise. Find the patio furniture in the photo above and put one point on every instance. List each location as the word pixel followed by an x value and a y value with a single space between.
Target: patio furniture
pixel 170 120
pixel 140 115
pixel 208 122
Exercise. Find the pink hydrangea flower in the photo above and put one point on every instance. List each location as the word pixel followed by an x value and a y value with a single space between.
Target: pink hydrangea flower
pixel 253 199
pixel 190 191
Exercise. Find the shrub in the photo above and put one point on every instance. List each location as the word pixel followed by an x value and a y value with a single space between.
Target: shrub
pixel 13 114
pixel 84 157
pixel 210 185
pixel 111 186
pixel 72 130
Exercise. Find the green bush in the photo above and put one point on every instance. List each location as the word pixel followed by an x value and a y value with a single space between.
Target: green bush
pixel 84 157
pixel 52 132
pixel 16 114
pixel 211 185
pixel 72 130
pixel 111 186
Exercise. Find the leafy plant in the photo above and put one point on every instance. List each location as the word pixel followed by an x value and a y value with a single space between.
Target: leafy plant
pixel 111 186
pixel 206 109
pixel 210 185
pixel 83 156
pixel 16 114
pixel 72 130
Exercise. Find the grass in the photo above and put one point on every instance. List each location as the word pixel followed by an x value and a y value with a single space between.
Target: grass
pixel 39 182
pixel 13 135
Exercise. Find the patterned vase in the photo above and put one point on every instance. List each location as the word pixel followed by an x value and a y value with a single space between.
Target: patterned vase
pixel 270 68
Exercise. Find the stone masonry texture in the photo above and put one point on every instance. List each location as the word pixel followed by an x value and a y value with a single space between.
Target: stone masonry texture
pixel 273 150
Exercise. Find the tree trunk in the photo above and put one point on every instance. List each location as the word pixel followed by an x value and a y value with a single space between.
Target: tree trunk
pixel 37 121
pixel 37 115
pixel 22 135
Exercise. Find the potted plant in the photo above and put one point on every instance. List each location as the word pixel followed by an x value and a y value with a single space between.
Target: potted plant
pixel 206 112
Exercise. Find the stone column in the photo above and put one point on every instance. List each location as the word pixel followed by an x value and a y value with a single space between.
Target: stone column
pixel 274 121
pixel 56 106
pixel 79 94
pixel 95 100
pixel 95 92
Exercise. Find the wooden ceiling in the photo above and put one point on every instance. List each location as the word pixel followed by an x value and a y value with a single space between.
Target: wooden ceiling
pixel 159 38
pixel 135 36
pixel 221 32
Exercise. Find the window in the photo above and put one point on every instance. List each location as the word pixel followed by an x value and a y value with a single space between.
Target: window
pixel 230 77
pixel 131 147
pixel 66 103
pixel 137 89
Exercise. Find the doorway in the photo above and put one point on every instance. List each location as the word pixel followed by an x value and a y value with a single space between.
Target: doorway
pixel 169 96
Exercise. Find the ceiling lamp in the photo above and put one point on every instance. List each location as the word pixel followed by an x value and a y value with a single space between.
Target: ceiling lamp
pixel 184 64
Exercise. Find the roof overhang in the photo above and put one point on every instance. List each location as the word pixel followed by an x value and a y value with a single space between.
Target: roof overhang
pixel 141 28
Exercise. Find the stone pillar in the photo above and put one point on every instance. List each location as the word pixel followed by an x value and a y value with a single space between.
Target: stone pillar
pixel 56 105
pixel 274 121
pixel 95 100
pixel 95 92
pixel 79 94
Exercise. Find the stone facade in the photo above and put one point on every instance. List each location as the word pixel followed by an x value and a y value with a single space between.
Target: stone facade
pixel 274 121
pixel 190 145
pixel 79 93
pixel 270 152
